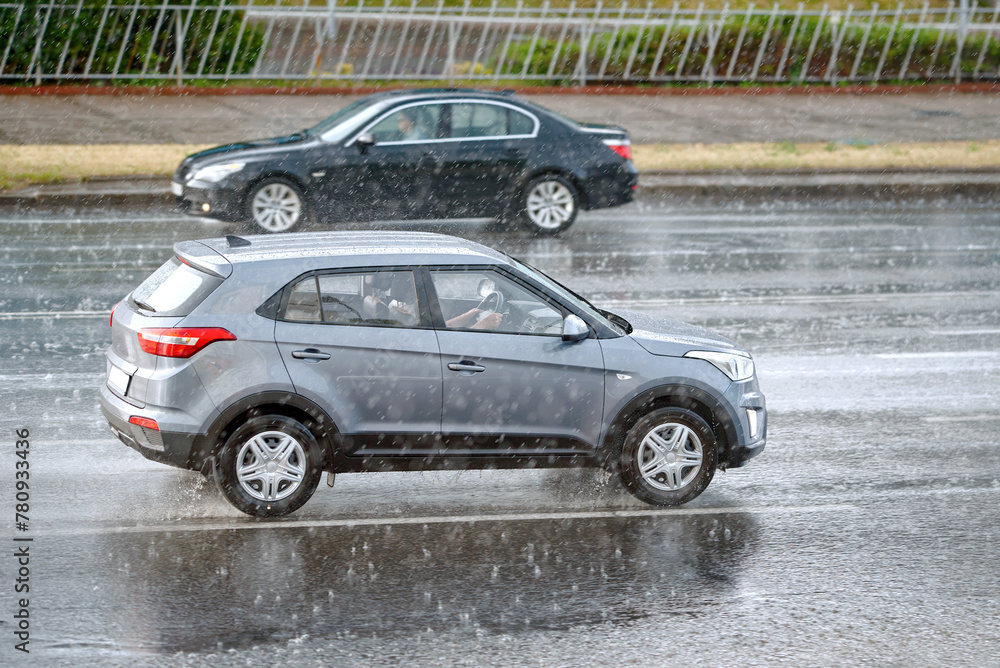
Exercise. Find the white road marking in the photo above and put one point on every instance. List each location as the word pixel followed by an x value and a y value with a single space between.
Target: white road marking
pixel 32 315
pixel 962 332
pixel 782 300
pixel 962 418
pixel 447 519
pixel 944 354
pixel 90 221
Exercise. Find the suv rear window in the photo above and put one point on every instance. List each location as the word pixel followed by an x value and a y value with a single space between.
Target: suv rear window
pixel 174 289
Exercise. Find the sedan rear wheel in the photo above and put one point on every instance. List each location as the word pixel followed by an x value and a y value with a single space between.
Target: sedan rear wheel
pixel 277 205
pixel 669 457
pixel 550 204
pixel 270 466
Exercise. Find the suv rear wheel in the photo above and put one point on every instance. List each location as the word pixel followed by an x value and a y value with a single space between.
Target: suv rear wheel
pixel 269 466
pixel 669 457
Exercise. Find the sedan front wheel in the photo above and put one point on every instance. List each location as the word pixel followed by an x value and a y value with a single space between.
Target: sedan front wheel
pixel 277 205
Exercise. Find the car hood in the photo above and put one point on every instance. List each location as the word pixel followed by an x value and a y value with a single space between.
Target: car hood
pixel 663 336
pixel 218 151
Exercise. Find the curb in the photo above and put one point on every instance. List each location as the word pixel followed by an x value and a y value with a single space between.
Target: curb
pixel 750 91
pixel 719 185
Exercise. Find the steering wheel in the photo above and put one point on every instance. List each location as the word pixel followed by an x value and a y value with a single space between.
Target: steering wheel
pixel 492 302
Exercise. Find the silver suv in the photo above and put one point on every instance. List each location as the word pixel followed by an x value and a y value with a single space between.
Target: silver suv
pixel 264 361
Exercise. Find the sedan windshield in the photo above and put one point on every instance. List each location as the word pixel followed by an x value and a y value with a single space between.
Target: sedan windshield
pixel 347 120
pixel 610 321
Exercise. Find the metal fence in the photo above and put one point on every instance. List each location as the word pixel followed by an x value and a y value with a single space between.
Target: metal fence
pixel 150 40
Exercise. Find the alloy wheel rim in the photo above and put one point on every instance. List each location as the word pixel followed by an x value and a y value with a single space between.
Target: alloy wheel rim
pixel 550 204
pixel 277 207
pixel 670 456
pixel 271 466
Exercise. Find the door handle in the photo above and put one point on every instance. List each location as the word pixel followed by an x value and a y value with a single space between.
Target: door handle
pixel 310 354
pixel 429 160
pixel 515 153
pixel 466 366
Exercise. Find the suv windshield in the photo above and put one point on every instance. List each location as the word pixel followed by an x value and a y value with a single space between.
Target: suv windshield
pixel 613 322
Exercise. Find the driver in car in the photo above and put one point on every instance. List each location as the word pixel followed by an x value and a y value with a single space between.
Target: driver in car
pixel 490 321
pixel 408 128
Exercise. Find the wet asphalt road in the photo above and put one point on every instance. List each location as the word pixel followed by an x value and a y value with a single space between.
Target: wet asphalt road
pixel 865 534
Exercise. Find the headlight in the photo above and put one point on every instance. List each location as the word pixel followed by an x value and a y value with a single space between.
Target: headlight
pixel 737 367
pixel 215 173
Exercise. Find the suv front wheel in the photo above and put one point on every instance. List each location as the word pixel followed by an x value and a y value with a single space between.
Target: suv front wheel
pixel 269 466
pixel 669 457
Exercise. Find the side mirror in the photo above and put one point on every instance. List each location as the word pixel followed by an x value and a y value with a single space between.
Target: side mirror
pixel 486 286
pixel 364 141
pixel 574 328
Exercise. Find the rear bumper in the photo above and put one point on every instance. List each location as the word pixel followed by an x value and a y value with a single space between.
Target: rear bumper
pixel 171 448
pixel 612 186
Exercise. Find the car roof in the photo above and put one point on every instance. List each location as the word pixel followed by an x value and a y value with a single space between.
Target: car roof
pixel 432 94
pixel 446 92
pixel 310 250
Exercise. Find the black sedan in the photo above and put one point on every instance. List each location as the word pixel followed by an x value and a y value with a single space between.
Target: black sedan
pixel 417 154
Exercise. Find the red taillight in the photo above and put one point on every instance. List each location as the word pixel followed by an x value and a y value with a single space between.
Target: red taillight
pixel 111 320
pixel 624 149
pixel 144 422
pixel 180 342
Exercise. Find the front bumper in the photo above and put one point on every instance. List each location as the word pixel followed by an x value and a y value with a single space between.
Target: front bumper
pixel 752 426
pixel 741 454
pixel 224 204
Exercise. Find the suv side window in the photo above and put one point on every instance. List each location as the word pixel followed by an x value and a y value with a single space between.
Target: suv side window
pixel 468 300
pixel 373 298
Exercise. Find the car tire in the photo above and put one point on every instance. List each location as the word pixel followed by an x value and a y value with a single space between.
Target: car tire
pixel 669 457
pixel 276 205
pixel 549 204
pixel 269 466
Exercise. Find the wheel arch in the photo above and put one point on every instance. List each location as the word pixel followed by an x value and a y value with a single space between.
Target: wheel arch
pixel 275 174
pixel 289 405
pixel 294 179
pixel 699 401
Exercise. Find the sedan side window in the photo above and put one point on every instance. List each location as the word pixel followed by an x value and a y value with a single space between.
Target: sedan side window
pixel 478 120
pixel 375 298
pixel 483 299
pixel 488 120
pixel 410 124
pixel 521 124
